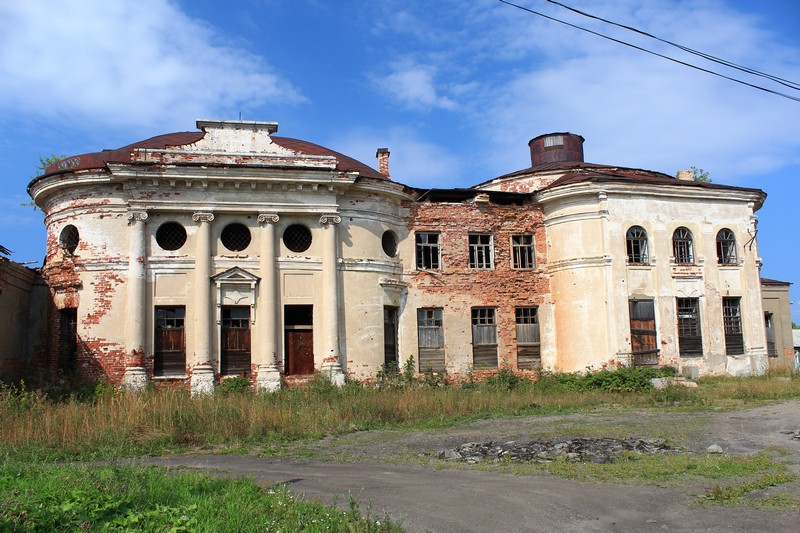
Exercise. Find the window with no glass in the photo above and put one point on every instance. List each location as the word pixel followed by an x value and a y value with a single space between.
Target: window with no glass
pixel 297 238
pixel 480 250
pixel 682 246
pixel 732 318
pixel 636 243
pixel 690 339
pixel 427 250
pixel 69 238
pixel 171 236
pixel 726 247
pixel 522 251
pixel 389 243
pixel 235 237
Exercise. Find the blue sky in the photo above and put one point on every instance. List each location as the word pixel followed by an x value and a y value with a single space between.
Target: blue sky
pixel 455 89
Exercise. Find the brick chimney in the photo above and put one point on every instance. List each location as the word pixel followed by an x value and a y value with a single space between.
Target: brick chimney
pixel 383 161
pixel 685 175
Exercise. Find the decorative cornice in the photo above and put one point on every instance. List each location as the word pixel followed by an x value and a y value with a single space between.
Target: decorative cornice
pixel 267 218
pixel 137 215
pixel 330 218
pixel 203 217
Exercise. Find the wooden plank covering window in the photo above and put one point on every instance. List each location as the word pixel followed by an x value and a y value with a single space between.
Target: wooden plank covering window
pixel 690 339
pixel 169 358
pixel 643 332
pixel 732 317
pixel 235 341
pixel 529 356
pixel 484 338
pixel 430 336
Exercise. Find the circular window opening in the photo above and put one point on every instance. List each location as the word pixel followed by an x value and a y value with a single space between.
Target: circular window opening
pixel 69 238
pixel 297 238
pixel 236 237
pixel 389 242
pixel 171 236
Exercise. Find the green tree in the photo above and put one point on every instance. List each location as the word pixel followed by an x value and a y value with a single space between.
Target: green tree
pixel 700 175
pixel 44 162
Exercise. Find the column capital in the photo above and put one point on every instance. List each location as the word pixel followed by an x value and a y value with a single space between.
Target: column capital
pixel 268 218
pixel 203 217
pixel 137 214
pixel 329 218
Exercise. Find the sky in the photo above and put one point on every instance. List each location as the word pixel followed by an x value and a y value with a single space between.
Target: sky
pixel 454 89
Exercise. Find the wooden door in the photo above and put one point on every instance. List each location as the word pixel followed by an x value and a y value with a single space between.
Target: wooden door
pixel 299 345
pixel 235 341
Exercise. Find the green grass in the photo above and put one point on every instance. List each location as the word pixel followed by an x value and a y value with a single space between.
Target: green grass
pixel 72 498
pixel 735 494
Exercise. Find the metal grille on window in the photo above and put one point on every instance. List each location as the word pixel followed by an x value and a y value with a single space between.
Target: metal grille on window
pixel 480 251
pixel 643 332
pixel 430 340
pixel 427 250
pixel 484 337
pixel 690 340
pixel 522 250
pixel 528 340
pixel 726 247
pixel 297 238
pixel 235 237
pixel 636 241
pixel 69 239
pixel 732 319
pixel 171 236
pixel 682 246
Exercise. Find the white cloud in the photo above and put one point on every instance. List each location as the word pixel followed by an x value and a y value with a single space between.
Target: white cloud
pixel 125 63
pixel 413 161
pixel 413 86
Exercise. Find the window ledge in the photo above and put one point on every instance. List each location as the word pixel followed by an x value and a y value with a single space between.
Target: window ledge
pixel 170 378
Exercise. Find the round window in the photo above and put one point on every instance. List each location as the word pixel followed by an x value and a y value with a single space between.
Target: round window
pixel 235 237
pixel 297 238
pixel 389 242
pixel 171 236
pixel 69 238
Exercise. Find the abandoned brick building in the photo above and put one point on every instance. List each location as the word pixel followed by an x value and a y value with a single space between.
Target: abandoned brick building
pixel 233 251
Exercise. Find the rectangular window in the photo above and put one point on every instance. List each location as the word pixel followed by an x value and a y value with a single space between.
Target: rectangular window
pixel 732 318
pixel 522 251
pixel 643 332
pixel 430 334
pixel 484 337
pixel 770 330
pixel 690 339
pixel 235 341
pixel 529 356
pixel 427 251
pixel 480 251
pixel 169 358
pixel 68 346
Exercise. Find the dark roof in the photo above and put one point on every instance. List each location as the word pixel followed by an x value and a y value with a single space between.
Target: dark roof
pixel 98 160
pixel 637 176
pixel 460 195
pixel 767 281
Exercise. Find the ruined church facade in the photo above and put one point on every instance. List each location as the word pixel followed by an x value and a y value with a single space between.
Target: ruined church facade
pixel 194 256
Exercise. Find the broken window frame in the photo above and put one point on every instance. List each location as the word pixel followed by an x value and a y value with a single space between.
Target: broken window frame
pixel 481 251
pixel 428 250
pixel 732 325
pixel 636 245
pixel 644 335
pixel 529 354
pixel 484 337
pixel 683 246
pixel 523 256
pixel 769 328
pixel 726 247
pixel 690 333
pixel 430 339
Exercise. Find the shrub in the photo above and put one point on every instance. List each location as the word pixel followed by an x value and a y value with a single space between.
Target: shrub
pixel 235 385
pixel 507 380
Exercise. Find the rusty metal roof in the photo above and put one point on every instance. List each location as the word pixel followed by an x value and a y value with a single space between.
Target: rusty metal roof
pixel 98 160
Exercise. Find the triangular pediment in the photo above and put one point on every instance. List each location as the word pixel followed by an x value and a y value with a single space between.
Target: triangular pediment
pixel 235 274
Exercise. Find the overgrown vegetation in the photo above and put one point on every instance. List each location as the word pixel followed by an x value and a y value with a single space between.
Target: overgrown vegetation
pixel 70 498
pixel 109 423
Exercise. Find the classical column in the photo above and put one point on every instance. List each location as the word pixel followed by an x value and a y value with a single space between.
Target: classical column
pixel 202 381
pixel 331 364
pixel 268 376
pixel 135 377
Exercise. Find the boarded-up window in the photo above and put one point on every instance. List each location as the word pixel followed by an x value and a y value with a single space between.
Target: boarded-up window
pixel 169 358
pixel 690 339
pixel 431 340
pixel 235 340
pixel 732 317
pixel 771 351
pixel 427 250
pixel 643 332
pixel 484 337
pixel 522 251
pixel 480 251
pixel 529 355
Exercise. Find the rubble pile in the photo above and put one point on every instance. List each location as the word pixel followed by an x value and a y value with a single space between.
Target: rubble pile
pixel 581 449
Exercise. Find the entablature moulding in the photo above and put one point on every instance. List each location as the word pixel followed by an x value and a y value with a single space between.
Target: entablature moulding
pixel 250 209
pixel 583 262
